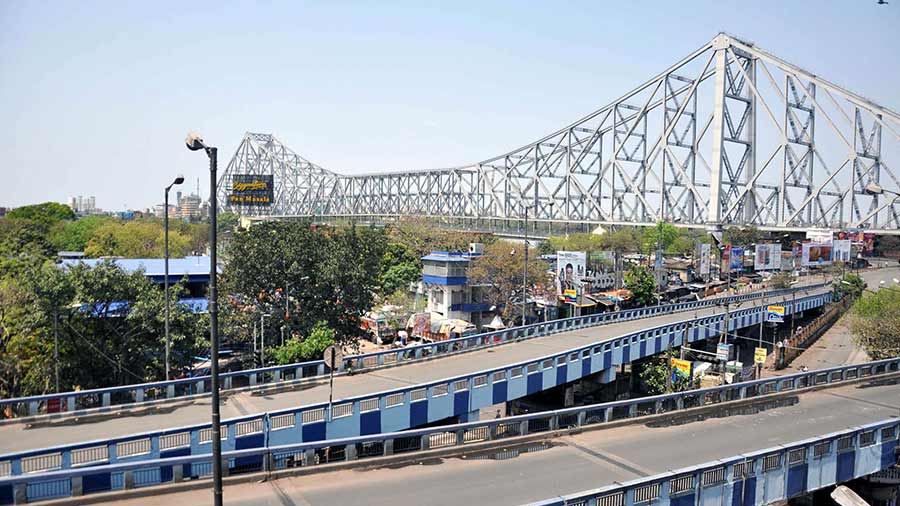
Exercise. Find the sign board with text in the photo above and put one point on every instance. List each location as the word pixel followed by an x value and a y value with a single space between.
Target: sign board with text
pixel 775 314
pixel 252 190
pixel 759 355
pixel 681 367
pixel 723 351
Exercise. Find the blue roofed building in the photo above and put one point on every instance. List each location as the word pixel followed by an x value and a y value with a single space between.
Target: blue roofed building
pixel 194 270
pixel 450 295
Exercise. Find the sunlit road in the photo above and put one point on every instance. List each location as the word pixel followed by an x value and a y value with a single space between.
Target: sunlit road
pixel 572 463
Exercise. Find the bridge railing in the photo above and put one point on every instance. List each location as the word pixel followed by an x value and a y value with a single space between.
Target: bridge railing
pixel 437 399
pixel 93 473
pixel 121 397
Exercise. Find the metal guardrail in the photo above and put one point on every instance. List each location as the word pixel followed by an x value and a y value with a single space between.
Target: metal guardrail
pixel 51 483
pixel 81 402
pixel 309 422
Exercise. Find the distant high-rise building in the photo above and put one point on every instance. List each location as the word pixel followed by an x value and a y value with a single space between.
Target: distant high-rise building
pixel 84 206
pixel 189 207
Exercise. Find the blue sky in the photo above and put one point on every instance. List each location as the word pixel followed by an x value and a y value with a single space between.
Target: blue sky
pixel 96 96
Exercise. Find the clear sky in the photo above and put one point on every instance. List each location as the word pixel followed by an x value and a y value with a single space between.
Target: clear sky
pixel 96 97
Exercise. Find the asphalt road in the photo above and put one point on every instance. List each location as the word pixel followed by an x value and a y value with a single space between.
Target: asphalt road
pixel 569 464
pixel 19 437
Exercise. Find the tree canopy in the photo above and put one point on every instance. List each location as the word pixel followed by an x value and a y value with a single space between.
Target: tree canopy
pixel 639 280
pixel 46 214
pixel 499 273
pixel 875 322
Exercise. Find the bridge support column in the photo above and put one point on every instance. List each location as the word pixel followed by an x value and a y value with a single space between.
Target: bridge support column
pixel 350 452
pixel 20 493
pixel 106 399
pixel 389 447
pixel 139 395
pixel 77 486
pixel 170 391
pixel 178 472
pixel 569 398
pixel 128 479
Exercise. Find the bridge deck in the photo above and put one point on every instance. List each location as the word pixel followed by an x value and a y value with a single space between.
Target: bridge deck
pixel 18 437
pixel 574 463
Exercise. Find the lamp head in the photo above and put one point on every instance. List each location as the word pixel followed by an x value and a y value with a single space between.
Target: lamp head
pixel 194 141
pixel 178 180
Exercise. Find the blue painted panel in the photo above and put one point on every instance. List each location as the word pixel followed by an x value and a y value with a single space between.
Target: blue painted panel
pixel 534 383
pixel 561 374
pixel 887 453
pixel 796 480
pixel 314 432
pixel 100 482
pixel 586 366
pixel 500 389
pixel 845 464
pixel 165 472
pixel 253 441
pixel 6 494
pixel 461 399
pixel 607 357
pixel 626 354
pixel 746 490
pixel 370 423
pixel 682 500
pixel 643 348
pixel 418 413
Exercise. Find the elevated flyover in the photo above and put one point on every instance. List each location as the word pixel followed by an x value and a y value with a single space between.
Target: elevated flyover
pixel 409 395
pixel 744 444
pixel 416 393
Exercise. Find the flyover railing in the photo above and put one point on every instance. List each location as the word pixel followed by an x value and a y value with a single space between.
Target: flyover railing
pixel 90 471
pixel 123 397
pixel 399 408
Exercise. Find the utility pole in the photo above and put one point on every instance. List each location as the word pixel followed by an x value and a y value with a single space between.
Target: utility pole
pixel 525 269
pixel 56 347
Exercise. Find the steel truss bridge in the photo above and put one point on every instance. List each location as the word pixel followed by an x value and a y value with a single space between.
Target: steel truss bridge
pixel 729 135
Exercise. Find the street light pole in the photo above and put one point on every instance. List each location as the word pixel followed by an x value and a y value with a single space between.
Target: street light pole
pixel 178 180
pixel 56 347
pixel 195 142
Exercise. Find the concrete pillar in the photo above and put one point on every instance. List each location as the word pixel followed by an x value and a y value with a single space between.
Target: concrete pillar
pixel 105 399
pixel 569 399
pixel 20 493
pixel 139 395
pixel 170 391
pixel 177 473
pixel 388 447
pixel 350 452
pixel 77 486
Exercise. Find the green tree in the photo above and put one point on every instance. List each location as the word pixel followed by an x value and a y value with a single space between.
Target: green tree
pixel 23 243
pixel 654 376
pixel 137 239
pixel 623 240
pixel 663 235
pixel 639 280
pixel 780 280
pixel 875 323
pixel 74 235
pixel 303 276
pixel 46 214
pixel 399 267
pixel 302 350
pixel 499 273
pixel 741 236
pixel 850 285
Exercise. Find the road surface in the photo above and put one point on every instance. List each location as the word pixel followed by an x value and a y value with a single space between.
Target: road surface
pixel 569 464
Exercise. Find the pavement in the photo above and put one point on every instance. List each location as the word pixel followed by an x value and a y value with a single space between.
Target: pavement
pixel 21 437
pixel 571 463
pixel 836 346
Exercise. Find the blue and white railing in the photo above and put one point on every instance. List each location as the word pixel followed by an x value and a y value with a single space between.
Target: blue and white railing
pixel 128 396
pixel 397 409
pixel 96 471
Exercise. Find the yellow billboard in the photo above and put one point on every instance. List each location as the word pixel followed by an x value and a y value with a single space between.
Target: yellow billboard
pixel 682 367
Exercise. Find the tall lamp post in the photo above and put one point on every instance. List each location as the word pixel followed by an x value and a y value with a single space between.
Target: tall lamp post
pixel 178 180
pixel 195 143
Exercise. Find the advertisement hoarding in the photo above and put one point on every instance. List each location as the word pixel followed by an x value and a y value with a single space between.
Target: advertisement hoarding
pixel 681 367
pixel 767 257
pixel 775 314
pixel 816 254
pixel 841 251
pixel 571 266
pixel 819 236
pixel 703 259
pixel 252 190
pixel 736 263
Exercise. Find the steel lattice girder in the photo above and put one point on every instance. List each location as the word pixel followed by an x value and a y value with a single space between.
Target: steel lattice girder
pixel 729 135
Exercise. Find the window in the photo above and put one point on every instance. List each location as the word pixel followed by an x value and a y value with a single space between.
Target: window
pixel 797 456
